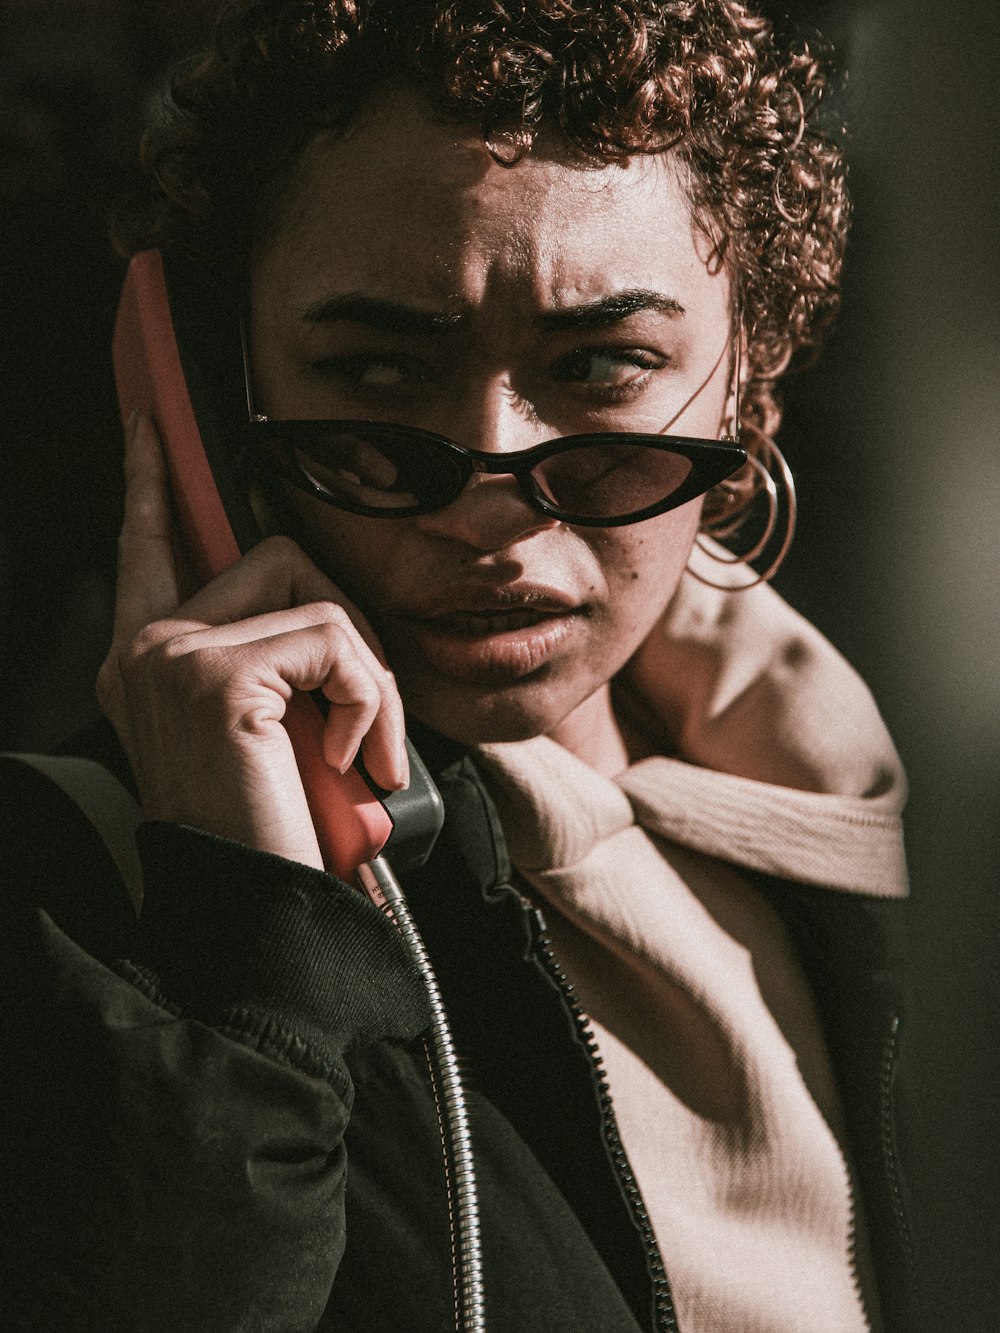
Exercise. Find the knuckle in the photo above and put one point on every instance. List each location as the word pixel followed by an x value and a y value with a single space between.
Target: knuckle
pixel 142 648
pixel 175 664
pixel 278 549
pixel 332 625
pixel 370 692
pixel 334 614
pixel 160 653
pixel 369 695
pixel 390 686
pixel 132 664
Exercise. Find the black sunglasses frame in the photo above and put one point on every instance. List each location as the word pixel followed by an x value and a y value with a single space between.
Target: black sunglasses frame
pixel 712 461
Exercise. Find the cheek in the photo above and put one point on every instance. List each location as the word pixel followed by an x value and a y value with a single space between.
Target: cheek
pixel 362 556
pixel 644 564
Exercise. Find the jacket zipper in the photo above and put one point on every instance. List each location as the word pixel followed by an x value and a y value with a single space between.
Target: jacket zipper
pixel 889 1144
pixel 664 1315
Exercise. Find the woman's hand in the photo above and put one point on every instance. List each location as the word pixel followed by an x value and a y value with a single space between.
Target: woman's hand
pixel 197 691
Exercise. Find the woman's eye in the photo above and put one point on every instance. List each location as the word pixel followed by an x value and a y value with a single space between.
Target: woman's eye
pixel 611 371
pixel 358 372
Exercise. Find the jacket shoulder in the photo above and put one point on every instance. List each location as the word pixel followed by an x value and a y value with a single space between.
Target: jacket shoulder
pixel 55 855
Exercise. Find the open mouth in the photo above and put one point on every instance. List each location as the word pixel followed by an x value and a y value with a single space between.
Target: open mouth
pixel 477 623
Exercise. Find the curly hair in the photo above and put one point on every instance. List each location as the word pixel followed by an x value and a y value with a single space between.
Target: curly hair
pixel 703 78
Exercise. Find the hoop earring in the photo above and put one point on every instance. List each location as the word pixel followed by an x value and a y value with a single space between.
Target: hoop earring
pixel 775 483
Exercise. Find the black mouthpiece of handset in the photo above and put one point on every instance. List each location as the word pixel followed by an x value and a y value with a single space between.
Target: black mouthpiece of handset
pixel 417 814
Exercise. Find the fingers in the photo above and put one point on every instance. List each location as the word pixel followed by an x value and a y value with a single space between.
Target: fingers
pixel 276 574
pixel 197 688
pixel 242 676
pixel 239 685
pixel 276 590
pixel 378 730
pixel 147 587
pixel 366 712
pixel 329 656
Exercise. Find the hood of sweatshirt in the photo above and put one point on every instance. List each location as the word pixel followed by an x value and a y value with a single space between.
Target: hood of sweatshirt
pixel 770 754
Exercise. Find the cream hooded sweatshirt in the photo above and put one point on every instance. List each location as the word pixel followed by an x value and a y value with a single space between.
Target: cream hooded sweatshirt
pixel 773 758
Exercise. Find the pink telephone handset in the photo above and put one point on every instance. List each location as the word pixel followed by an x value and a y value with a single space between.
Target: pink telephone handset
pixel 351 822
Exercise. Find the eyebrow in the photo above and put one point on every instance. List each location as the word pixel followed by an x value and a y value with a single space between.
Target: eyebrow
pixel 609 310
pixel 384 316
pixel 395 317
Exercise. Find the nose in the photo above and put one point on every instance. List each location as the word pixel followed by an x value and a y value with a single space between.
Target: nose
pixel 491 513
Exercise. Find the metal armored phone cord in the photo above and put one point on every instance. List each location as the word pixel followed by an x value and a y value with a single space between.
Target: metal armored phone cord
pixel 379 882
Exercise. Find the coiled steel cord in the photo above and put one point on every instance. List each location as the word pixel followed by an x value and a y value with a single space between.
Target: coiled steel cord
pixel 379 882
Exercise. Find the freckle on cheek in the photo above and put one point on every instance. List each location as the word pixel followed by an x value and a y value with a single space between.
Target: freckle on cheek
pixel 635 575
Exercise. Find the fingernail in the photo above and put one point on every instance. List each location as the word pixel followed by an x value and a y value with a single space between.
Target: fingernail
pixel 132 425
pixel 403 767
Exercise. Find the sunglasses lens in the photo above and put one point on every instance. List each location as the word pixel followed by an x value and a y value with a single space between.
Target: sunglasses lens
pixel 609 479
pixel 379 469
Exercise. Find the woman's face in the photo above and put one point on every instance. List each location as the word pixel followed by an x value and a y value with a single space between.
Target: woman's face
pixel 410 278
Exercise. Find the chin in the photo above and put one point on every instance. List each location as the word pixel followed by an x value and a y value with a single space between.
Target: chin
pixel 485 718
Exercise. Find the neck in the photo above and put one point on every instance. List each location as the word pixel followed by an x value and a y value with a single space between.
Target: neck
pixel 593 734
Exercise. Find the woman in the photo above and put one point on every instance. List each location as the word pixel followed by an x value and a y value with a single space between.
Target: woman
pixel 660 909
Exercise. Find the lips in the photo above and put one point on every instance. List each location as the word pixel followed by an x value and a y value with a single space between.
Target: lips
pixel 486 599
pixel 497 636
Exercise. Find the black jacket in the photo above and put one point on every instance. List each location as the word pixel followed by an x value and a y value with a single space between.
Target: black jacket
pixel 221 1118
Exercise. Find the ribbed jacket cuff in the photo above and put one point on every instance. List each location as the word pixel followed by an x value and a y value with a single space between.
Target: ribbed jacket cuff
pixel 238 937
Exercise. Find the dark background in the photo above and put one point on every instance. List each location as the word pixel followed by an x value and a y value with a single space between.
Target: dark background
pixel 893 437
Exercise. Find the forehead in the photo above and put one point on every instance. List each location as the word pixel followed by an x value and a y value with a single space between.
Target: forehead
pixel 403 203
